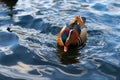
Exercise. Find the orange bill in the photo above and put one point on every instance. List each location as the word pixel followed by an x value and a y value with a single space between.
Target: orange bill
pixel 65 48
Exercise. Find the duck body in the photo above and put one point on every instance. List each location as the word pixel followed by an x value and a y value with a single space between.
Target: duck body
pixel 73 35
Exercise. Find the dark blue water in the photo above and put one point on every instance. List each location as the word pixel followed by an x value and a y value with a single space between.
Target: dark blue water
pixel 28 49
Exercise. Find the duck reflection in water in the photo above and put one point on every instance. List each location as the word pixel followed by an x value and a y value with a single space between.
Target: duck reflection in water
pixel 9 3
pixel 69 57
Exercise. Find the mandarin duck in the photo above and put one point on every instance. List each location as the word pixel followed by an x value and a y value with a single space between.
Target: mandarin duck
pixel 73 35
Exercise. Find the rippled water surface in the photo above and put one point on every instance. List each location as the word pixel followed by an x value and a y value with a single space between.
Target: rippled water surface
pixel 28 49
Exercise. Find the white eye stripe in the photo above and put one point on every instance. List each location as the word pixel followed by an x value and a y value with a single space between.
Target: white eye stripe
pixel 69 34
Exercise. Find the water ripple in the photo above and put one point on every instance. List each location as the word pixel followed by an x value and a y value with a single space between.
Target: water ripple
pixel 28 48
